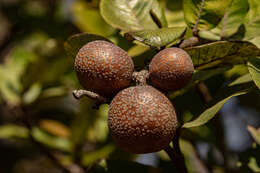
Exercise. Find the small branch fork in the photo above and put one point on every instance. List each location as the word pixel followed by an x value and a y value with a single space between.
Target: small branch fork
pixel 140 77
pixel 195 29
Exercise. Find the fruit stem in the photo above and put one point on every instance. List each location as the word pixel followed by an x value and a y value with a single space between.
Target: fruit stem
pixel 78 94
pixel 140 77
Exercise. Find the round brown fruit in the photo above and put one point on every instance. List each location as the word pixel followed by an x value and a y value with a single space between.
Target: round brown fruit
pixel 103 67
pixel 171 69
pixel 142 120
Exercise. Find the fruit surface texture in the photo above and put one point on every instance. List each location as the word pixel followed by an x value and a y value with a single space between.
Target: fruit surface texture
pixel 142 120
pixel 171 69
pixel 103 67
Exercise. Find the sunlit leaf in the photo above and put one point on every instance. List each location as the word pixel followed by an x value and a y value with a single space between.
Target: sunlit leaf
pixel 174 13
pixel 253 164
pixel 55 128
pixel 50 140
pixel 131 15
pixel 75 42
pixel 54 92
pixel 192 161
pixel 211 13
pixel 213 54
pixel 255 133
pixel 209 113
pixel 13 131
pixel 11 72
pixel 242 79
pixel 254 70
pixel 158 37
pixel 252 22
pixel 98 154
pixel 233 18
pixel 99 129
pixel 32 94
pixel 88 19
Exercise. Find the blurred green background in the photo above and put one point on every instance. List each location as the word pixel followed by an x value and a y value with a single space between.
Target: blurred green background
pixel 36 81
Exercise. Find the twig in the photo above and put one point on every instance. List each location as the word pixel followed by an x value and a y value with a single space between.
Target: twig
pixel 204 92
pixel 195 29
pixel 155 19
pixel 192 41
pixel 175 154
pixel 140 77
pixel 222 34
pixel 78 94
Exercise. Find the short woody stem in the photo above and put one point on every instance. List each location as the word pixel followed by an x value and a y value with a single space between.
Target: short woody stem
pixel 192 41
pixel 78 94
pixel 141 77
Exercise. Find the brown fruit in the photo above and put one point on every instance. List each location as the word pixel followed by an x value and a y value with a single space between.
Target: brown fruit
pixel 141 120
pixel 103 67
pixel 171 69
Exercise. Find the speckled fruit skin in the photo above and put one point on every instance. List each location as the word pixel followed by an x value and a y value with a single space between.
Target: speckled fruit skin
pixel 103 67
pixel 142 120
pixel 171 69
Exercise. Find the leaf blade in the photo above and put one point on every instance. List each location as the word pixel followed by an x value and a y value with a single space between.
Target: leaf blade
pixel 254 70
pixel 158 37
pixel 209 113
pixel 210 12
pixel 255 133
pixel 131 15
pixel 212 54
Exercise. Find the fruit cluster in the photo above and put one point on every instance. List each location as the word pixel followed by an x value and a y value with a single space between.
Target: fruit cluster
pixel 141 119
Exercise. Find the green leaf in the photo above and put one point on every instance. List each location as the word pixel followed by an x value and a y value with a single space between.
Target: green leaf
pixel 252 22
pixel 75 42
pixel 131 15
pixel 13 131
pixel 211 14
pixel 241 80
pixel 215 53
pixel 158 37
pixel 32 94
pixel 255 133
pixel 198 76
pixel 11 72
pixel 174 13
pixel 233 18
pixel 209 113
pixel 88 19
pixel 254 70
pixel 50 140
pixel 192 160
pixel 91 157
pixel 253 164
